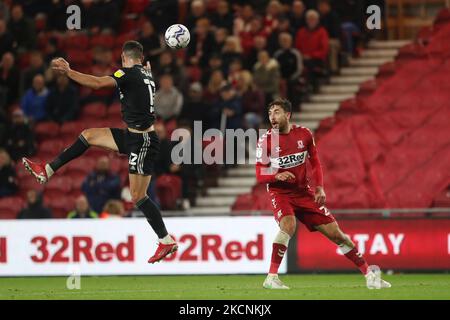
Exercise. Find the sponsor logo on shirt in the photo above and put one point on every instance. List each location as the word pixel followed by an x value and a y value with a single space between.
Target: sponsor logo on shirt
pixel 289 161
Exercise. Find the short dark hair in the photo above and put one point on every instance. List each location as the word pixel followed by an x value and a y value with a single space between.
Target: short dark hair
pixel 133 49
pixel 285 104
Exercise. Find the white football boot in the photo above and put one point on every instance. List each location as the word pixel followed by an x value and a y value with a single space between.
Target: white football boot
pixel 273 282
pixel 373 278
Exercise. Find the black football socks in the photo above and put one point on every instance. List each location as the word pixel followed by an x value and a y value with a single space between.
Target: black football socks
pixel 153 215
pixel 72 152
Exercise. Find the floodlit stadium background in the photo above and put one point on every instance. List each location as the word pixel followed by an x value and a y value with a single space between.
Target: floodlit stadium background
pixel 378 102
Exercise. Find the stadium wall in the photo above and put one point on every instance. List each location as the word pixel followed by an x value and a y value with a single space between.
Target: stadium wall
pixel 208 245
pixel 398 244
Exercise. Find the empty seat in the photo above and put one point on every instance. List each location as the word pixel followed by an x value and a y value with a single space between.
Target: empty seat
pixel 168 189
pixel 102 40
pixel 10 207
pixel 46 130
pixel 77 41
pixel 94 111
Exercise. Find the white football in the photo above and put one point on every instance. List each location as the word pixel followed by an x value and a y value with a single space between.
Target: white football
pixel 177 36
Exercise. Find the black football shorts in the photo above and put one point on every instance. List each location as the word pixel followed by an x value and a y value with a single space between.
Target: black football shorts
pixel 141 149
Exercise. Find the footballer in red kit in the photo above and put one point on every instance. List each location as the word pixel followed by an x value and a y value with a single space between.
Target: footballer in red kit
pixel 282 154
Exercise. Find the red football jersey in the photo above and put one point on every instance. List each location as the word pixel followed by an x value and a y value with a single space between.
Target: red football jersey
pixel 277 152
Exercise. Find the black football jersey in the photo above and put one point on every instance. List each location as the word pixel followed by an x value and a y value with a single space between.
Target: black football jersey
pixel 137 94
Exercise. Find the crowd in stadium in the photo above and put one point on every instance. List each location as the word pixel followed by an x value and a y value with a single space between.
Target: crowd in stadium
pixel 242 54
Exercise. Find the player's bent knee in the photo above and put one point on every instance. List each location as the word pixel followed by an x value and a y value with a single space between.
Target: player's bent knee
pixel 137 196
pixel 288 225
pixel 88 135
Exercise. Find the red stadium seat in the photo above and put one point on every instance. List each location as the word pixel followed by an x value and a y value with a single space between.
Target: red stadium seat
pixel 60 206
pixel 10 207
pixel 82 165
pixel 72 129
pixel 51 147
pixel 46 130
pixel 102 40
pixel 168 189
pixel 59 183
pixel 77 179
pixel 243 202
pixel 79 57
pixel 77 41
pixel 95 110
pixel 122 38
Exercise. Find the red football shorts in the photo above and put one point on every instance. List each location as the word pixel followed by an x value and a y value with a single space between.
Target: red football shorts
pixel 303 206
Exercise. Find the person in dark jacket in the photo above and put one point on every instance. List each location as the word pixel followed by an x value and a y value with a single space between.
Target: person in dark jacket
pixel 101 185
pixel 230 107
pixel 35 209
pixel 8 179
pixel 62 101
pixel 20 140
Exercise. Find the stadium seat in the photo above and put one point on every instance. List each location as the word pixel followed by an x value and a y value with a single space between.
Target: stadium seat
pixel 122 38
pixel 46 130
pixel 81 165
pixel 60 206
pixel 243 202
pixel 77 41
pixel 168 190
pixel 79 57
pixel 77 179
pixel 94 110
pixel 51 147
pixel 59 183
pixel 102 40
pixel 10 207
pixel 72 129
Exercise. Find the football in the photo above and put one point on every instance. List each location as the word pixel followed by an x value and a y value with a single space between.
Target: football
pixel 177 36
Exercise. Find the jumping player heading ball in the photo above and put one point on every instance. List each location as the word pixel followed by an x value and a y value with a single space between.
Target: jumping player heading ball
pixel 281 154
pixel 139 141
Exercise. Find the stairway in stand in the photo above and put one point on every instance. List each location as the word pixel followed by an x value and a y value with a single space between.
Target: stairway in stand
pixel 218 200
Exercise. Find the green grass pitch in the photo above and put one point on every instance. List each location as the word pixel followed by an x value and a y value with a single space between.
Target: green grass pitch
pixel 329 286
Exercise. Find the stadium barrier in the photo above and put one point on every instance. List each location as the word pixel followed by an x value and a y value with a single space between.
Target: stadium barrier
pixel 207 245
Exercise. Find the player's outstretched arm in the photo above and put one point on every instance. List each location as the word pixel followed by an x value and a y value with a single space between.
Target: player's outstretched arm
pixel 61 65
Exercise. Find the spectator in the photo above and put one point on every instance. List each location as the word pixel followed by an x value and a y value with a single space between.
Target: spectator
pixel 36 67
pixel 198 11
pixel 297 16
pixel 291 66
pixel 168 65
pixel 312 42
pixel 62 102
pixel 19 137
pixel 112 209
pixel 260 44
pixel 330 21
pixel 22 28
pixel 220 36
pixel 243 21
pixel 35 100
pixel 215 63
pixel 6 39
pixel 230 107
pixel 272 42
pixel 195 108
pixel 8 180
pixel 101 185
pixel 273 14
pixel 9 78
pixel 223 18
pixel 168 99
pixel 211 95
pixel 201 45
pixel 52 51
pixel 35 208
pixel 266 74
pixel 253 103
pixel 163 161
pixel 248 37
pixel 82 210
pixel 233 72
pixel 103 66
pixel 151 41
pixel 232 50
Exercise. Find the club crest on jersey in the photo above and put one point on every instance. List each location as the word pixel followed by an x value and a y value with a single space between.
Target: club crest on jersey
pixel 289 161
pixel 119 73
pixel 300 144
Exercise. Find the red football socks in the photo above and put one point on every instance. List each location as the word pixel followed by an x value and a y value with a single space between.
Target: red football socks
pixel 278 251
pixel 357 258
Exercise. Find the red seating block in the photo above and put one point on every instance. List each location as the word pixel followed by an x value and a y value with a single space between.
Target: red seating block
pixel 10 207
pixel 46 130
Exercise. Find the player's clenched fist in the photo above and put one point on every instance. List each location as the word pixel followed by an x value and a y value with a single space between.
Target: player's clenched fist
pixel 60 65
pixel 320 196
pixel 285 176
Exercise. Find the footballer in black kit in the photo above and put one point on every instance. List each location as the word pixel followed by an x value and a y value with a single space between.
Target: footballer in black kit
pixel 137 90
pixel 138 141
